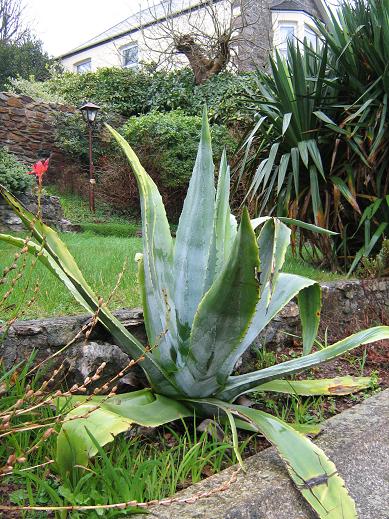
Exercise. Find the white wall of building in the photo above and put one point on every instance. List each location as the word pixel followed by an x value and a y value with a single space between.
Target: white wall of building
pixel 302 24
pixel 110 53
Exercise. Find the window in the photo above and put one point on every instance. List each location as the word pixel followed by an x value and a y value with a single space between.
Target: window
pixel 287 32
pixel 84 66
pixel 310 37
pixel 130 55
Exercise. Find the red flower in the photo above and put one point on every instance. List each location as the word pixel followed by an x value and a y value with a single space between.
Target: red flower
pixel 39 169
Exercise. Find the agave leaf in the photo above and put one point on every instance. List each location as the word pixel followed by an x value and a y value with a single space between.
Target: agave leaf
pixel 53 253
pixel 224 313
pixel 240 384
pixel 323 386
pixel 224 230
pixel 309 301
pixel 310 429
pixel 157 260
pixel 194 236
pixel 273 243
pixel 270 303
pixel 314 474
pixel 105 418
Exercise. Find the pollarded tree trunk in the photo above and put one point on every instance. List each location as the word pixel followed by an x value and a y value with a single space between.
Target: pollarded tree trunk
pixel 204 67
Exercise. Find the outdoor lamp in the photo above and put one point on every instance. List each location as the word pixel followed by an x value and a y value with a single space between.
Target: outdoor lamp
pixel 89 113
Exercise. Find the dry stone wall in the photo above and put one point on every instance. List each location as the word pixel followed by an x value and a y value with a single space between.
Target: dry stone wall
pixel 27 128
pixel 348 306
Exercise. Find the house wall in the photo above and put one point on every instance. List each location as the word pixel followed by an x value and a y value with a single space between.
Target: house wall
pixel 298 18
pixel 258 38
pixel 154 37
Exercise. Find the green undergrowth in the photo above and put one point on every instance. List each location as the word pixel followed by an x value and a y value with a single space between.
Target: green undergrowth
pixel 142 465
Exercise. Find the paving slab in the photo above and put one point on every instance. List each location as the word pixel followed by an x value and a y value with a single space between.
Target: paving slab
pixel 357 440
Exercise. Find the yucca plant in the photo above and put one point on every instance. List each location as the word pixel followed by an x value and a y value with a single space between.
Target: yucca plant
pixel 317 149
pixel 206 297
pixel 283 152
pixel 358 41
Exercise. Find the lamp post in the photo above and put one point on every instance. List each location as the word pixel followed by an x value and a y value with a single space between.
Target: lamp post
pixel 89 113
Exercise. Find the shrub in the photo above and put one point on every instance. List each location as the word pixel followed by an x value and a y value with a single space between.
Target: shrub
pixel 166 144
pixel 13 174
pixel 130 92
pixel 31 87
pixel 318 147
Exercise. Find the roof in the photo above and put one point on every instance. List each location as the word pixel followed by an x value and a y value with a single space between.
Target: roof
pixel 153 14
pixel 317 7
pixel 143 18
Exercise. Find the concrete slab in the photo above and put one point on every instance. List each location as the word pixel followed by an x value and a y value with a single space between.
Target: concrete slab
pixel 357 440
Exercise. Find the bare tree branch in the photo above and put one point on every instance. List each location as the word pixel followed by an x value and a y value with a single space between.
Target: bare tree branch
pixel 208 33
pixel 11 24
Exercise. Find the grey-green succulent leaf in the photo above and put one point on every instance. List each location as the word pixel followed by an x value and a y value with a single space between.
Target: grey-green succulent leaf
pixel 237 385
pixel 270 303
pixel 194 237
pixel 157 262
pixel 224 314
pixel 106 417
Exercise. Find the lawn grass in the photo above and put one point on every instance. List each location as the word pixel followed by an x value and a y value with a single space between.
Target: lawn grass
pixel 141 465
pixel 105 221
pixel 101 259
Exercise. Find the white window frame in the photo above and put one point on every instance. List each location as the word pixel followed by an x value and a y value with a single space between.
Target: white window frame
pixel 131 45
pixel 87 61
pixel 282 45
pixel 309 30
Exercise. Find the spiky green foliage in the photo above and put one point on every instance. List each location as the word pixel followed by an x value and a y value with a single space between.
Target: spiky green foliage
pixel 206 297
pixel 319 148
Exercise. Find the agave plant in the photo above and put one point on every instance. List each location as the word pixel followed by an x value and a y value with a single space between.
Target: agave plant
pixel 206 297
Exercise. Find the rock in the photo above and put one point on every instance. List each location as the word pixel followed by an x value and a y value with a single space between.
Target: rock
pixel 52 213
pixel 84 359
pixel 355 440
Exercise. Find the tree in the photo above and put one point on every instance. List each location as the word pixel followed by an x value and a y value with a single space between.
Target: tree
pixel 21 53
pixel 23 58
pixel 12 27
pixel 209 33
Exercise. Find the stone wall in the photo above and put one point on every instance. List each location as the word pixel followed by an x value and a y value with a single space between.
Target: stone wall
pixel 256 40
pixel 52 214
pixel 27 128
pixel 348 306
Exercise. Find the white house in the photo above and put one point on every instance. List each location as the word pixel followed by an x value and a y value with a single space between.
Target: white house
pixel 139 37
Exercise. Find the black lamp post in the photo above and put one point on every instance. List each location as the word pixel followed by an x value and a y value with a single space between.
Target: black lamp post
pixel 89 113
